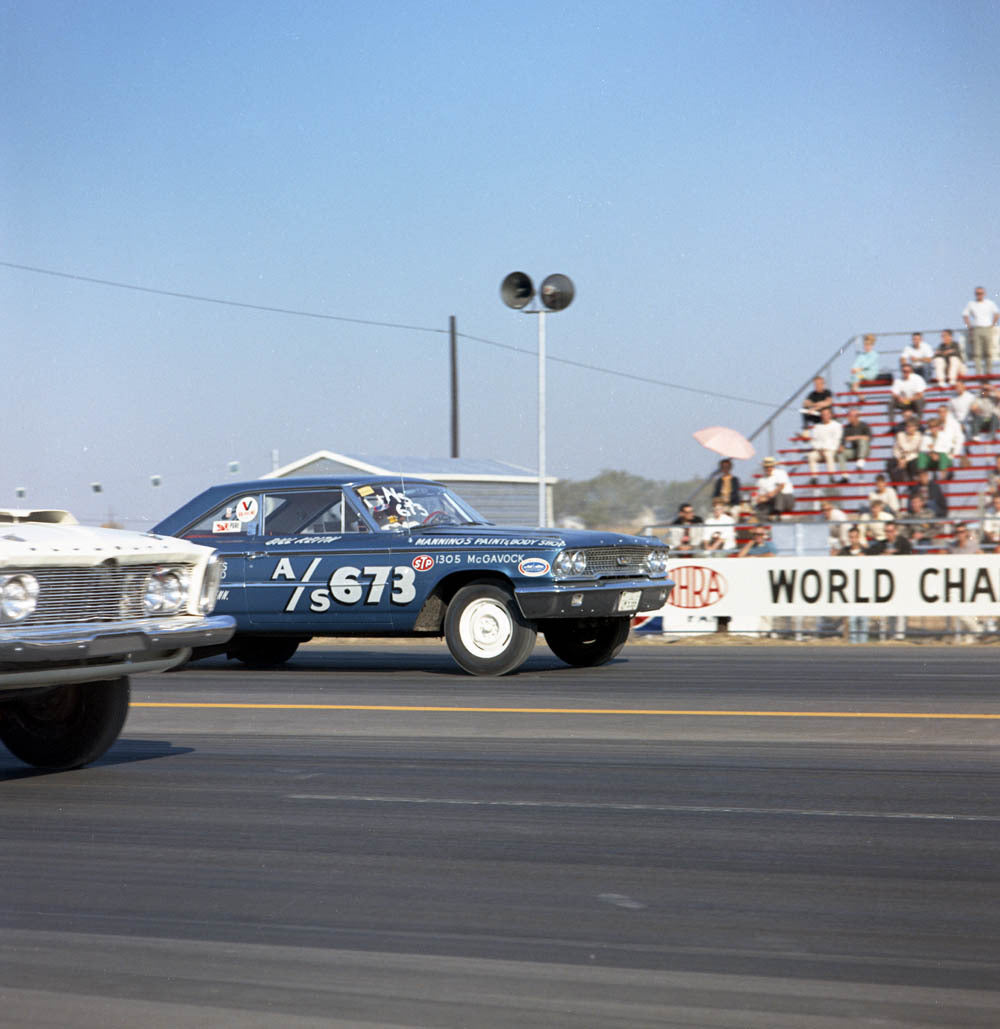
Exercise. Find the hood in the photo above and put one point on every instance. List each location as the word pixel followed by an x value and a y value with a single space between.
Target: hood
pixel 517 536
pixel 35 543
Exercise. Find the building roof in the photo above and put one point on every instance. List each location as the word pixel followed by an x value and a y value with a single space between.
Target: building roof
pixel 443 469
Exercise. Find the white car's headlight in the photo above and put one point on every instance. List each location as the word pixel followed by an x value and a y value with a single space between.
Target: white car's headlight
pixel 210 584
pixel 18 596
pixel 166 591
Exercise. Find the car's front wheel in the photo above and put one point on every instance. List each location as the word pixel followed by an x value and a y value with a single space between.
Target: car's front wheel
pixel 485 631
pixel 585 643
pixel 262 651
pixel 67 726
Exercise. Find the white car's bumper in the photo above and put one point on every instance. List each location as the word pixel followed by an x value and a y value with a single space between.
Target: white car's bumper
pixel 88 652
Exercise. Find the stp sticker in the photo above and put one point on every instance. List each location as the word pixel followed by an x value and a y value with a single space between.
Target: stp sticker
pixel 246 509
pixel 534 566
pixel 423 563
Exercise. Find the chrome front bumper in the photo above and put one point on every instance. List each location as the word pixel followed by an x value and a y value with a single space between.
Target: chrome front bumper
pixel 601 599
pixel 86 652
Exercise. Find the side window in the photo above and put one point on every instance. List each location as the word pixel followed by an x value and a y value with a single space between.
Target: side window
pixel 238 516
pixel 309 513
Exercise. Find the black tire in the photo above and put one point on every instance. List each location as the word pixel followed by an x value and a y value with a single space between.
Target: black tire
pixel 261 651
pixel 65 727
pixel 485 631
pixel 585 643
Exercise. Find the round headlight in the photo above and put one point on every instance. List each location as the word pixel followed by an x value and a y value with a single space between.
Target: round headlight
pixel 18 596
pixel 210 584
pixel 165 592
pixel 579 562
pixel 656 562
pixel 563 563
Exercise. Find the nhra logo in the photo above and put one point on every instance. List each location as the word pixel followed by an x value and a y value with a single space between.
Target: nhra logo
pixel 697 586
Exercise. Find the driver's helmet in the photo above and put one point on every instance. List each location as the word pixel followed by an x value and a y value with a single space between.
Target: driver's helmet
pixel 386 511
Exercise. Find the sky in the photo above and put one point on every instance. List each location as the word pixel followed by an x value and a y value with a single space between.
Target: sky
pixel 736 191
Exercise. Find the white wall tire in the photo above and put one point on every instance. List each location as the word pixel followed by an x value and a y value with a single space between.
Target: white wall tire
pixel 485 631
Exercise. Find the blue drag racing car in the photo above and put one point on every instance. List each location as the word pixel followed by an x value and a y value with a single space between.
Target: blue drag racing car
pixel 394 557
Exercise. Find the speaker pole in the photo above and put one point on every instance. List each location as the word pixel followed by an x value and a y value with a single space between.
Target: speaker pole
pixel 453 334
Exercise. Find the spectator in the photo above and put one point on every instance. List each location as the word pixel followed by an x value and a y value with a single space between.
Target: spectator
pixel 940 447
pixel 948 364
pixel 685 535
pixel 885 493
pixel 930 492
pixel 838 522
pixel 814 403
pixel 919 355
pixel 759 544
pixel 857 625
pixel 875 521
pixel 720 531
pixel 960 406
pixel 919 524
pixel 907 395
pixel 866 365
pixel 992 485
pixel 985 416
pixel 990 524
pixel 981 316
pixel 893 542
pixel 774 495
pixel 727 486
pixel 825 437
pixel 854 546
pixel 965 541
pixel 856 444
pixel 905 450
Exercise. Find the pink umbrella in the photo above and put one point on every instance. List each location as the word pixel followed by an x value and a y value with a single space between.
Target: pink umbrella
pixel 727 442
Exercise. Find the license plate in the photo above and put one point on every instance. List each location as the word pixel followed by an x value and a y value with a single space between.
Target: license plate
pixel 629 600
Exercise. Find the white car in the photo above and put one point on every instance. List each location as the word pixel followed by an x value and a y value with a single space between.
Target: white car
pixel 80 610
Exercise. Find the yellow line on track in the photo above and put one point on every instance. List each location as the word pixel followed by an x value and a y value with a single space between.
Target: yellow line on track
pixel 448 709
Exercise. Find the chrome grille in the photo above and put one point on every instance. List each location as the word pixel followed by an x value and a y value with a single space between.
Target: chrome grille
pixel 105 593
pixel 609 561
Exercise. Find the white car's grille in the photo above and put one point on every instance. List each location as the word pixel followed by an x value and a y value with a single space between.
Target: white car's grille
pixel 106 593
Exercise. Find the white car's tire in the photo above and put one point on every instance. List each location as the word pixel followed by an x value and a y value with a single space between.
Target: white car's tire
pixel 67 726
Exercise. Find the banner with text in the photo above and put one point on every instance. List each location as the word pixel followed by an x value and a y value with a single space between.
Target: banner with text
pixel 932 584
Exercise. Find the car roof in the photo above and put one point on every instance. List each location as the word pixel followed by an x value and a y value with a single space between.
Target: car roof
pixel 199 505
pixel 313 482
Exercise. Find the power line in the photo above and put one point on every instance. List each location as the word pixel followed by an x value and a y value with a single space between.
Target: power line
pixel 378 324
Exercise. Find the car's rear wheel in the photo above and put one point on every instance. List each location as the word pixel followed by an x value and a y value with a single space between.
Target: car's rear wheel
pixel 585 643
pixel 485 631
pixel 67 726
pixel 262 651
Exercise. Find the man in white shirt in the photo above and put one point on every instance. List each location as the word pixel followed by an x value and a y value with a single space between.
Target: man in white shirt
pixel 981 316
pixel 960 406
pixel 919 355
pixel 839 525
pixel 720 532
pixel 775 494
pixel 907 394
pixel 991 524
pixel 825 438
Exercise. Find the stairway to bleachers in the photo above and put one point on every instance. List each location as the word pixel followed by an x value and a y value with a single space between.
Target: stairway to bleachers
pixel 963 489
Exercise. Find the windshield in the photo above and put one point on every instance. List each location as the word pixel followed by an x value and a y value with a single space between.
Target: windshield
pixel 397 506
